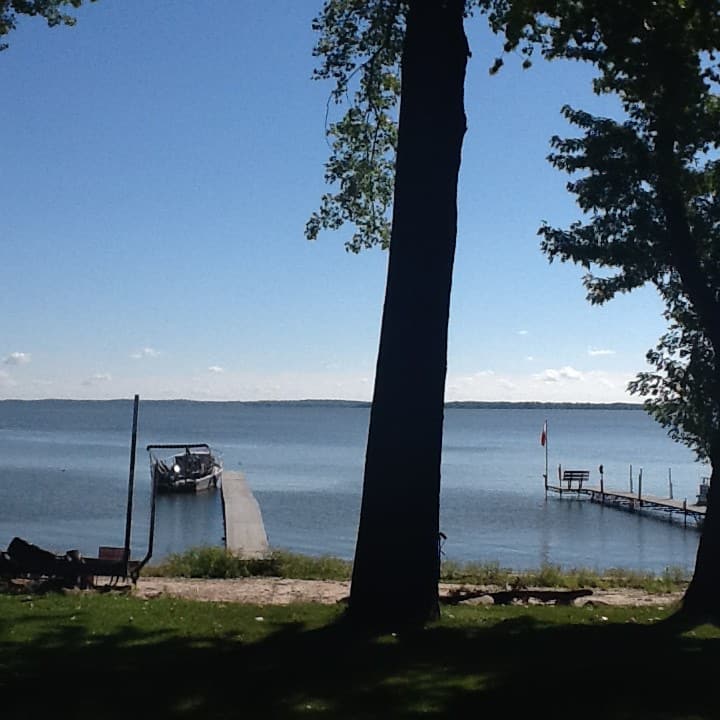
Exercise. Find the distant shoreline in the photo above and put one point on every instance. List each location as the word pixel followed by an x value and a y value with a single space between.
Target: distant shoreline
pixel 456 404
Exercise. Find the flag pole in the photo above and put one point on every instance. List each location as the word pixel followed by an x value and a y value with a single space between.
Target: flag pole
pixel 544 441
pixel 546 456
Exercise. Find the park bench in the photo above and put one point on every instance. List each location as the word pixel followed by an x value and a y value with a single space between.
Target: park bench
pixel 574 479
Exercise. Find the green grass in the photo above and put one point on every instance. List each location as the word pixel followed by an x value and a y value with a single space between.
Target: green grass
pixel 215 562
pixel 95 656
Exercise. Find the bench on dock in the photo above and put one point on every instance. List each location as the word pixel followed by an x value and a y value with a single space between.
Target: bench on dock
pixel 577 477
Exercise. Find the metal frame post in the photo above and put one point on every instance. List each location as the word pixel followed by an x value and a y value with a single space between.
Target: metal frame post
pixel 131 482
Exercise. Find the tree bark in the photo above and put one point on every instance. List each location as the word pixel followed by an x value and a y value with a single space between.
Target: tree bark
pixel 702 598
pixel 396 567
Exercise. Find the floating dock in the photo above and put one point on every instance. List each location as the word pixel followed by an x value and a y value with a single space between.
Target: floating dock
pixel 244 528
pixel 573 482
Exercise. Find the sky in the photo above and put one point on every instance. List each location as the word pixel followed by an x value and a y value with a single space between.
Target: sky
pixel 159 163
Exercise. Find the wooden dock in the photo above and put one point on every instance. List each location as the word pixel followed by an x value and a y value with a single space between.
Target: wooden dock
pixel 632 501
pixel 244 528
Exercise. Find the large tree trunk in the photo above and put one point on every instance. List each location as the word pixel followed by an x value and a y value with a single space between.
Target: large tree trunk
pixel 702 598
pixel 396 568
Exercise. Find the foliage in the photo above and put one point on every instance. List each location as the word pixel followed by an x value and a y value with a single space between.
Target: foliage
pixel 677 394
pixel 51 10
pixel 654 66
pixel 646 182
pixel 489 573
pixel 360 44
pixel 305 567
pixel 215 562
pixel 553 576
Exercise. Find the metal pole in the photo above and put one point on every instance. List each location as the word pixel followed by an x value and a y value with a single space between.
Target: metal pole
pixel 640 487
pixel 151 532
pixel 151 536
pixel 631 487
pixel 670 482
pixel 602 483
pixel 546 457
pixel 131 482
pixel 685 511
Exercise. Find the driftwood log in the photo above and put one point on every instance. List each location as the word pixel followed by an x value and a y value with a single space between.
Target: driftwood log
pixel 505 597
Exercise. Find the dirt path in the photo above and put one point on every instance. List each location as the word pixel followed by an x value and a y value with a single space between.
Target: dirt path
pixel 279 591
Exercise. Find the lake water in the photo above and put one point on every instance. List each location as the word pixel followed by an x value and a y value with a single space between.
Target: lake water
pixel 64 470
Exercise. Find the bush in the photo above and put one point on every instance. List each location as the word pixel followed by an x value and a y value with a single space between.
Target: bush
pixel 216 562
pixel 474 573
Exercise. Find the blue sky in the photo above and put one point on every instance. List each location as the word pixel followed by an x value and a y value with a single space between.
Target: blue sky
pixel 160 160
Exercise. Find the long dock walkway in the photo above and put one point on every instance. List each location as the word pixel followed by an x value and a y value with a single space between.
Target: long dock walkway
pixel 244 528
pixel 633 501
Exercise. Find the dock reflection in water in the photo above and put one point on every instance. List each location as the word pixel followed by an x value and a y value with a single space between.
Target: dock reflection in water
pixel 182 516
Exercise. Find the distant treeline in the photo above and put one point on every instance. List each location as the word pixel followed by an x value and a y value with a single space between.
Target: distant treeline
pixel 462 404
pixel 467 404
pixel 546 405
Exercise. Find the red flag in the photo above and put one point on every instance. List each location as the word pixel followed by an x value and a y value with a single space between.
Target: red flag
pixel 543 434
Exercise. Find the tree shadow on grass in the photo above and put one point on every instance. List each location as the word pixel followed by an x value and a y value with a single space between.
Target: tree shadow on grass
pixel 519 666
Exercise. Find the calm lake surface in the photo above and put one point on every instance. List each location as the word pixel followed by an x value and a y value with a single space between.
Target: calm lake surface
pixel 64 473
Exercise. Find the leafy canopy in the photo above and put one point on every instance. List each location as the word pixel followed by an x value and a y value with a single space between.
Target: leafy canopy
pixel 647 183
pixel 360 49
pixel 678 394
pixel 360 45
pixel 51 10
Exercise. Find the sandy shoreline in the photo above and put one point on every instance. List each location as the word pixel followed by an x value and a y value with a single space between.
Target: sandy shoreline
pixel 282 591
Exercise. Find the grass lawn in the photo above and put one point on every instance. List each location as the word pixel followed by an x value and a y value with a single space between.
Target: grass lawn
pixel 96 656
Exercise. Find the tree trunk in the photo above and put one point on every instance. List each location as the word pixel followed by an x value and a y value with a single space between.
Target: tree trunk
pixel 702 598
pixel 396 568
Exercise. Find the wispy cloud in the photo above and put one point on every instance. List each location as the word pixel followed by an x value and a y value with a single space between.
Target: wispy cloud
pixel 522 332
pixel 552 375
pixel 594 352
pixel 216 369
pixel 17 358
pixel 147 352
pixel 97 379
pixel 466 385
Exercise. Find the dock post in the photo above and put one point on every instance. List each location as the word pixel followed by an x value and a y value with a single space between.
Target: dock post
pixel 602 484
pixel 640 488
pixel 685 511
pixel 560 478
pixel 631 487
pixel 670 482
